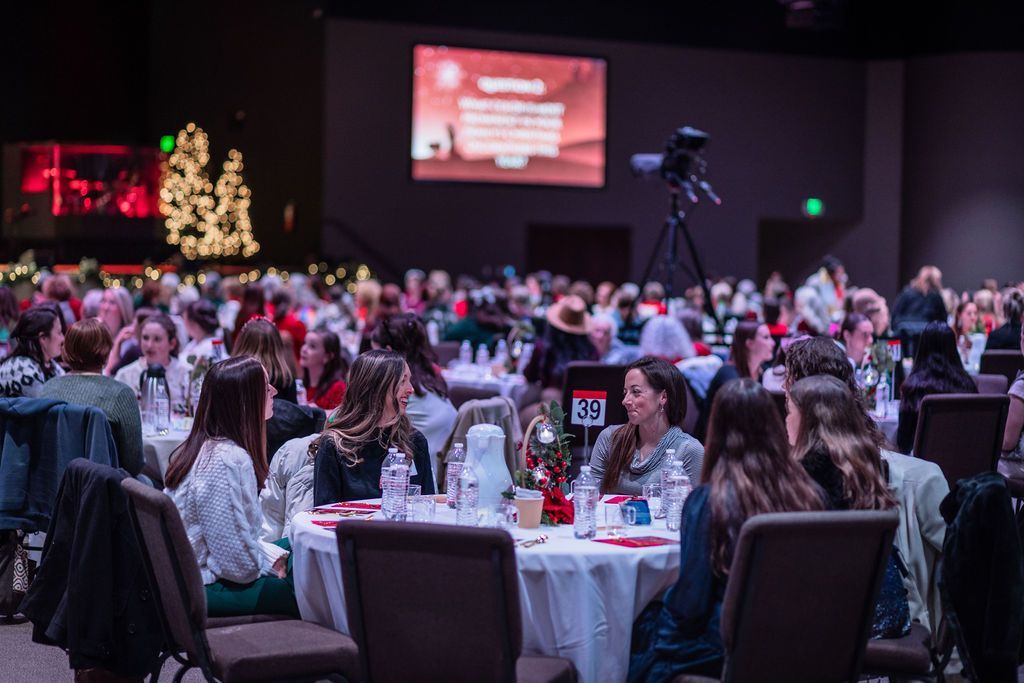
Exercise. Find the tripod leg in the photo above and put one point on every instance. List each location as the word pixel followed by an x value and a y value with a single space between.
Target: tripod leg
pixel 654 253
pixel 708 306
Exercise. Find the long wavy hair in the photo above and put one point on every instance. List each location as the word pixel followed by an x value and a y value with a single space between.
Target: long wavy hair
pixel 830 422
pixel 261 340
pixel 748 468
pixel 663 377
pixel 406 335
pixel 937 368
pixel 232 406
pixel 372 385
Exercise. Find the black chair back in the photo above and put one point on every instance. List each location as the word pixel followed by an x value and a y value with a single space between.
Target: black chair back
pixel 446 351
pixel 415 625
pixel 961 433
pixel 1007 363
pixel 826 558
pixel 991 384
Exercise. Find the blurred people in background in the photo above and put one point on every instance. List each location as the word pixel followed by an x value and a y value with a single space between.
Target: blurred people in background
pixel 37 340
pixel 1007 336
pixel 919 303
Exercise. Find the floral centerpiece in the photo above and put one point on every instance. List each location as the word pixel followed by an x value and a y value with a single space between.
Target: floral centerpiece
pixel 547 458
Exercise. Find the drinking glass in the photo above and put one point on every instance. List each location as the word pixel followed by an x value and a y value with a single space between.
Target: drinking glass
pixel 415 490
pixel 422 508
pixel 616 517
pixel 652 492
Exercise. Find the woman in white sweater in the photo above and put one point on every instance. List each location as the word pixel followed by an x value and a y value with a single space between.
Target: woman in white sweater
pixel 215 478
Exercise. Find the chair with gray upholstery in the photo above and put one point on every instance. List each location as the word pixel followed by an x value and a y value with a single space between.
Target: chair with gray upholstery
pixel 961 433
pixel 800 599
pixel 446 351
pixel 408 626
pixel 246 650
pixel 991 384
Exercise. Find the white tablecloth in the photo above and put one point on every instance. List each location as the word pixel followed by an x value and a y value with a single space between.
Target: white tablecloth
pixel 509 386
pixel 156 450
pixel 579 598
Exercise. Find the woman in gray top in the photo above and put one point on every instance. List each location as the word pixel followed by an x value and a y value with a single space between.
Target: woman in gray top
pixel 628 456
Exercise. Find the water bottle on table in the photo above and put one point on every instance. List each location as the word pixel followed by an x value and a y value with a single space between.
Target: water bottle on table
pixel 666 471
pixel 882 397
pixel 394 504
pixel 456 460
pixel 465 353
pixel 584 502
pixel 467 498
pixel 675 492
pixel 483 356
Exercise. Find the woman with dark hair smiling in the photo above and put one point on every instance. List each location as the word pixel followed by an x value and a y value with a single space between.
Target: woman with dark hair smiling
pixel 351 450
pixel 215 478
pixel 38 339
pixel 429 410
pixel 628 456
pixel 86 348
pixel 324 367
pixel 937 370
pixel 747 471
pixel 158 339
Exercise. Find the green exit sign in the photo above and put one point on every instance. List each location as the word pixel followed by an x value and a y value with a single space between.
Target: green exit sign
pixel 813 207
pixel 167 144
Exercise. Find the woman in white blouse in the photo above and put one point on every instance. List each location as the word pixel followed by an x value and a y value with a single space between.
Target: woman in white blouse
pixel 215 478
pixel 158 339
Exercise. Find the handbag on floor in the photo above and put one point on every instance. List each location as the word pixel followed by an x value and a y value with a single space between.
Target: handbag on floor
pixel 15 571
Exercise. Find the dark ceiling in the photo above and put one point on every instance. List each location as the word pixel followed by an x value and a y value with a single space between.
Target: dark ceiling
pixel 856 29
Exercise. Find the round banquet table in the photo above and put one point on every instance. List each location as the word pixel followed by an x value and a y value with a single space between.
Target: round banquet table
pixel 157 448
pixel 579 598
pixel 510 386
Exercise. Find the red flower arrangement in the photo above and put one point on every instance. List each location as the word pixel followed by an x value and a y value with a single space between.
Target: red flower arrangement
pixel 547 463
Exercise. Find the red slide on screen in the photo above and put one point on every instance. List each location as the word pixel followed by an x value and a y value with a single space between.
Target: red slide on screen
pixel 507 117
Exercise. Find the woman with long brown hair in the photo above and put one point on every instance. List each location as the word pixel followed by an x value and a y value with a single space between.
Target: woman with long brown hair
pixel 214 479
pixel 352 448
pixel 826 428
pixel 626 457
pixel 430 411
pixel 747 471
pixel 752 346
pixel 261 340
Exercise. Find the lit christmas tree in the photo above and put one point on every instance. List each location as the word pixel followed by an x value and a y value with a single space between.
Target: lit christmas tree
pixel 202 220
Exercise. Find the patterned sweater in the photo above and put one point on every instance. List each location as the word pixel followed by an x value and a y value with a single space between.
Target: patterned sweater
pixel 220 509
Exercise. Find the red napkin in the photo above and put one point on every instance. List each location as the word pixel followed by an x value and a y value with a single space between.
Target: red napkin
pixel 350 506
pixel 615 500
pixel 637 541
pixel 325 523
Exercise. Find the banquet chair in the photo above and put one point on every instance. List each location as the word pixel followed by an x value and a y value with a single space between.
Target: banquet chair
pixel 961 433
pixel 991 384
pixel 412 626
pixel 496 410
pixel 692 410
pixel 446 351
pixel 786 562
pixel 257 648
pixel 1002 362
pixel 459 394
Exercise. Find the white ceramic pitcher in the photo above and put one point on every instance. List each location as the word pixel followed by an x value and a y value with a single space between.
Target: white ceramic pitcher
pixel 486 454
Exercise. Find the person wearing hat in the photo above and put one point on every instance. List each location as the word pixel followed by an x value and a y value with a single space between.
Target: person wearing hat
pixel 565 340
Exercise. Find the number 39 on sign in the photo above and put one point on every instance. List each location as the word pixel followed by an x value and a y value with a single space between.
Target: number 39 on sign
pixel 588 408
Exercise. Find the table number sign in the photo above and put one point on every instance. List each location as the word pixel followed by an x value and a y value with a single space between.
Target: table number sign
pixel 896 350
pixel 588 407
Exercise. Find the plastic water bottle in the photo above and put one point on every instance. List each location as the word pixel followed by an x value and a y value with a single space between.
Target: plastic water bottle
pixel 389 460
pixel 162 409
pixel 433 332
pixel 456 460
pixel 666 473
pixel 584 502
pixel 675 495
pixel 395 487
pixel 483 357
pixel 465 353
pixel 882 397
pixel 467 498
pixel 501 352
pixel 300 392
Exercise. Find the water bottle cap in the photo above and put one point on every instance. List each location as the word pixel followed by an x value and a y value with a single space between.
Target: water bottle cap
pixel 217 342
pixel 585 469
pixel 392 449
pixel 458 444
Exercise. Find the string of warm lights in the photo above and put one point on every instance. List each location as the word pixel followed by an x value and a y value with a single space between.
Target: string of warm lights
pixel 204 220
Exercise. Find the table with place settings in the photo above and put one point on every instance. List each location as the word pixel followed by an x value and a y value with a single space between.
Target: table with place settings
pixel 579 598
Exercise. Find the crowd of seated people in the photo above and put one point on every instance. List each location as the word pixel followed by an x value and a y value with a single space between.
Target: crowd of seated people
pixel 368 361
